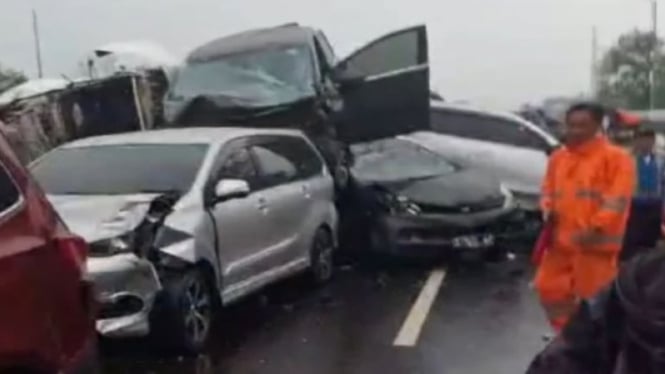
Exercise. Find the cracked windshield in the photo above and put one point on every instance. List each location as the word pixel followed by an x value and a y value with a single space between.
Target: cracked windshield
pixel 257 187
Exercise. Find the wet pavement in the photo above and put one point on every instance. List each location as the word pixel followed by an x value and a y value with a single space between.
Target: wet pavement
pixel 484 320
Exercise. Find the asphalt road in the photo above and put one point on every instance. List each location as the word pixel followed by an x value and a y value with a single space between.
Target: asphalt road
pixel 443 319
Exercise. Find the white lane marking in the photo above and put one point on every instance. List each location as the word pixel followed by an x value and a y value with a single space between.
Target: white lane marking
pixel 413 324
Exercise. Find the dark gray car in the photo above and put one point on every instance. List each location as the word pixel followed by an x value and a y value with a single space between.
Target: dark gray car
pixel 416 203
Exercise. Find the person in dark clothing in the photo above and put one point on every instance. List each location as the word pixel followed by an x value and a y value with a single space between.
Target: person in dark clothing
pixel 620 331
pixel 643 228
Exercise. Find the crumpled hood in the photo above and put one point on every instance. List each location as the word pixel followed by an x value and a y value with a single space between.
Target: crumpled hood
pixel 225 110
pixel 98 217
pixel 466 187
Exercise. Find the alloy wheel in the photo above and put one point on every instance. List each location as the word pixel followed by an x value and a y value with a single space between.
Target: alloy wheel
pixel 197 311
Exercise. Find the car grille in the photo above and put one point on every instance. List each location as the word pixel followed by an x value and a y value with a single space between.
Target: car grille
pixel 498 228
pixel 122 306
pixel 480 206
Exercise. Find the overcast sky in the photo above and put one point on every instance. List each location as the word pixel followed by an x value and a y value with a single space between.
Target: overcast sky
pixel 499 53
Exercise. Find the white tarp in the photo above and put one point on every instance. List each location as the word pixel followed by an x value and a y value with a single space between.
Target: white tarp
pixel 32 88
pixel 130 56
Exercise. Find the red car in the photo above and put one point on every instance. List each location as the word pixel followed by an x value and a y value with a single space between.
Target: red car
pixel 47 311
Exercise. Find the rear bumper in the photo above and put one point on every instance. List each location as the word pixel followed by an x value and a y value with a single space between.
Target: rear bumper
pixel 443 236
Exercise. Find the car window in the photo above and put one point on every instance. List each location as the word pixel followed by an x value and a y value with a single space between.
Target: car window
pixel 324 65
pixel 327 50
pixel 485 128
pixel 288 159
pixel 275 168
pixel 9 193
pixel 120 169
pixel 239 165
pixel 392 53
pixel 256 78
pixel 302 155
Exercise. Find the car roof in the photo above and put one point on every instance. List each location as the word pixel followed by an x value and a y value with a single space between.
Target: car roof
pixel 469 108
pixel 193 135
pixel 252 40
pixel 466 108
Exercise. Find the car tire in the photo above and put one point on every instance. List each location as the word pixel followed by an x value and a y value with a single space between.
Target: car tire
pixel 186 311
pixel 322 256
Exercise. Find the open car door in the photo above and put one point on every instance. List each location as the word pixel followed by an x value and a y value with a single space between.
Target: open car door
pixel 385 86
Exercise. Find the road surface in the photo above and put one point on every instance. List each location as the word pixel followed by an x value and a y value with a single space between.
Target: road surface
pixel 443 319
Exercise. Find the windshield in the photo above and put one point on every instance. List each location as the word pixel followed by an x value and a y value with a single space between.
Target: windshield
pixel 395 160
pixel 120 169
pixel 259 78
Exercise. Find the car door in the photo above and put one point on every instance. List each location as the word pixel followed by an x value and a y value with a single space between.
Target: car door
pixel 286 199
pixel 385 86
pixel 240 222
pixel 313 192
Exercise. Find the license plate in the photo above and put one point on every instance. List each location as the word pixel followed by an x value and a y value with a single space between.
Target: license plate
pixel 473 241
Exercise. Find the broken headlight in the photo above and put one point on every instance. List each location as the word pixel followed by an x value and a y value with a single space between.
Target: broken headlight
pixel 119 245
pixel 509 198
pixel 402 205
pixel 113 246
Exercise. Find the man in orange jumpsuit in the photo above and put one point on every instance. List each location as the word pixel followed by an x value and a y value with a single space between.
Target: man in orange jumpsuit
pixel 586 197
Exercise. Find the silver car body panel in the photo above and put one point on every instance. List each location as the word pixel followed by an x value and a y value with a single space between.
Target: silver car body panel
pixel 520 169
pixel 122 275
pixel 248 242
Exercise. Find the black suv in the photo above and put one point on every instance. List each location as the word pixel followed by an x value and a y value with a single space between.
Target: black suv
pixel 289 76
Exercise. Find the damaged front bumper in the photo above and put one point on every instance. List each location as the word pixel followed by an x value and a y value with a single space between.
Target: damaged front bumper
pixel 437 235
pixel 126 288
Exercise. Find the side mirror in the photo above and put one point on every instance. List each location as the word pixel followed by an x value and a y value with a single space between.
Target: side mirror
pixel 347 80
pixel 227 189
pixel 549 149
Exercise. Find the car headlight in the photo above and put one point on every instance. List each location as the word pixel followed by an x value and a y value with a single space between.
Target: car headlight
pixel 403 205
pixel 113 246
pixel 120 244
pixel 509 198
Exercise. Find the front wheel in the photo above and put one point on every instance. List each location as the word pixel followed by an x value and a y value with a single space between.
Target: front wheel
pixel 186 312
pixel 322 256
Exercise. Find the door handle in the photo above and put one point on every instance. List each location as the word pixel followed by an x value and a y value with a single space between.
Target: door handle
pixel 263 204
pixel 306 192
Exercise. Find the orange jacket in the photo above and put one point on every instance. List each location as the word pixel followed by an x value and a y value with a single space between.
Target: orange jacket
pixel 588 190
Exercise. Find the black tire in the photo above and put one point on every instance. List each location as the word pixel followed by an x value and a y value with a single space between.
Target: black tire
pixel 322 256
pixel 185 312
pixel 341 177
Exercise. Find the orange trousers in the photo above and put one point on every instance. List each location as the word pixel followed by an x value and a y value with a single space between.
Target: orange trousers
pixel 567 275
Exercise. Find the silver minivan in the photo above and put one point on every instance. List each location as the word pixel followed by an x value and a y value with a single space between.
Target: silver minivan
pixel 503 145
pixel 181 221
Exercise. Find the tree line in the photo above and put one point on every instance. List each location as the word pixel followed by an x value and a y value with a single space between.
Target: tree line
pixel 10 78
pixel 624 72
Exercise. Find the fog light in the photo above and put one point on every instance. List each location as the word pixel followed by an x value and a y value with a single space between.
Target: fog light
pixel 120 306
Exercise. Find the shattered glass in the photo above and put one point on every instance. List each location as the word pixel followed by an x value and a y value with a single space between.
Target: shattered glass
pixel 256 79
